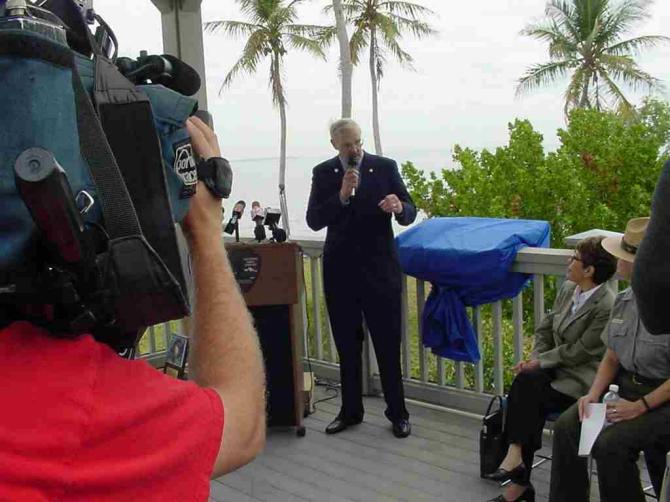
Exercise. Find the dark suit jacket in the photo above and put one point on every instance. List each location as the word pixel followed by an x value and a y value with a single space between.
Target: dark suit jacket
pixel 361 230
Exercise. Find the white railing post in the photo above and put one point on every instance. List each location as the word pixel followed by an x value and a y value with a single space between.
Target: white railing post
pixel 479 331
pixel 537 262
pixel 420 303
pixel 305 319
pixel 517 320
pixel 538 299
pixel 332 348
pixel 316 305
pixel 498 361
pixel 404 327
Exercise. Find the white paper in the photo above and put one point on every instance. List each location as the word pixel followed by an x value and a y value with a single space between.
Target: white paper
pixel 591 427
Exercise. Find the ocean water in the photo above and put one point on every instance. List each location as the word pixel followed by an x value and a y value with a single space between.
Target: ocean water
pixel 258 179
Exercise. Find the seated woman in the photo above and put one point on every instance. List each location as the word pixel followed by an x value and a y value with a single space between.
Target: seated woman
pixel 640 364
pixel 564 361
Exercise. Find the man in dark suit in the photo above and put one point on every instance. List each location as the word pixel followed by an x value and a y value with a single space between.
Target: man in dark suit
pixel 355 195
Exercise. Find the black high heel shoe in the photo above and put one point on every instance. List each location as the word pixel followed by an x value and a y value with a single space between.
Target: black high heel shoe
pixel 527 496
pixel 501 475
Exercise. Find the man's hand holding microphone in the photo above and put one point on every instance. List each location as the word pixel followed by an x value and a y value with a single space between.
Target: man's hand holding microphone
pixel 350 181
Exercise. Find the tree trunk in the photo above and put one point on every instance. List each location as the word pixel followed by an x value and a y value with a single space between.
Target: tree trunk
pixel 346 67
pixel 375 92
pixel 584 100
pixel 282 145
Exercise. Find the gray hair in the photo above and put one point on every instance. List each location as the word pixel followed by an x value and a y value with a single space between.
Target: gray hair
pixel 342 124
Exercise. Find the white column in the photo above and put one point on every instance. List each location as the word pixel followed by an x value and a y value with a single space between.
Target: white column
pixel 182 36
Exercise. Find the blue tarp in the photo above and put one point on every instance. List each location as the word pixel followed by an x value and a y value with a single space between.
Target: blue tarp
pixel 468 263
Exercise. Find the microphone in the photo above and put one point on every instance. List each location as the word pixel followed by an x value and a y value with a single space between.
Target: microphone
pixel 272 217
pixel 166 70
pixel 237 214
pixel 258 216
pixel 353 164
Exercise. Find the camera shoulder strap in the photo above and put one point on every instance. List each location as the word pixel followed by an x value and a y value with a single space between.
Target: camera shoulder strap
pixel 150 275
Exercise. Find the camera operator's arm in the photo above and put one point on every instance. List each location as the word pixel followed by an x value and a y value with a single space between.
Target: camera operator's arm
pixel 225 353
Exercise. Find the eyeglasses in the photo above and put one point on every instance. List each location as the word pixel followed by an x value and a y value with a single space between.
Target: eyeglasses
pixel 355 144
pixel 574 257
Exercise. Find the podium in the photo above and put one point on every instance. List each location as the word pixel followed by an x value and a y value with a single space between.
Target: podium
pixel 270 276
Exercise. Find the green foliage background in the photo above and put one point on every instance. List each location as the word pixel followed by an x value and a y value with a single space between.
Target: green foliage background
pixel 602 174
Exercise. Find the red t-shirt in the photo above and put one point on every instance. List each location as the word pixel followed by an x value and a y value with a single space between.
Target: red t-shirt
pixel 78 423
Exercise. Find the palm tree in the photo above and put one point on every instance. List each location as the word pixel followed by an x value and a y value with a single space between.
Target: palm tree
pixel 346 66
pixel 585 41
pixel 270 29
pixel 379 25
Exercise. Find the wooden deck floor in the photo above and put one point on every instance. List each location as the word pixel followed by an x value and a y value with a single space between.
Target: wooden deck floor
pixel 438 462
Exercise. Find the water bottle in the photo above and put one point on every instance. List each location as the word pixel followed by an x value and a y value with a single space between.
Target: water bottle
pixel 611 396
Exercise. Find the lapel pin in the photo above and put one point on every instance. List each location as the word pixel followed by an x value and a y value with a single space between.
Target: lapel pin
pixel 371 170
pixel 337 170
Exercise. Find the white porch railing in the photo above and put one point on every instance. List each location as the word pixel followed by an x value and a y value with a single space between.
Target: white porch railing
pixel 503 335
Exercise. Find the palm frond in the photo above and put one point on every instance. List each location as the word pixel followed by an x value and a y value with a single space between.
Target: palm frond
pixel 417 28
pixel 560 44
pixel 314 47
pixel 389 35
pixel 275 81
pixel 307 30
pixel 281 17
pixel 543 74
pixel 586 36
pixel 627 14
pixel 389 18
pixel 254 10
pixel 232 28
pixel 326 36
pixel 589 16
pixel 626 70
pixel 359 41
pixel 410 9
pixel 563 14
pixel 622 103
pixel 350 10
pixel 252 54
pixel 635 45
pixel 294 3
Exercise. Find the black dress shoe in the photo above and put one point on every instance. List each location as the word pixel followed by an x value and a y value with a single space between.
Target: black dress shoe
pixel 402 428
pixel 501 475
pixel 527 496
pixel 339 424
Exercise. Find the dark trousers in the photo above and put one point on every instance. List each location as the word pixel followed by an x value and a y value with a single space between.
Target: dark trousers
pixel 347 303
pixel 530 399
pixel 616 452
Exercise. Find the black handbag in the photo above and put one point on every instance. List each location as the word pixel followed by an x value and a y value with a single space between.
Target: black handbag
pixel 492 441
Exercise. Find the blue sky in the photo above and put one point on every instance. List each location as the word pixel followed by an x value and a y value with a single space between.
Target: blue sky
pixel 462 91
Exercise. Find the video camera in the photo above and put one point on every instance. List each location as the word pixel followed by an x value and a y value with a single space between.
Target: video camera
pixel 96 173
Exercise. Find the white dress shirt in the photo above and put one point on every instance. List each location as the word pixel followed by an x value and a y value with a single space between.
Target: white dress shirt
pixel 580 297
